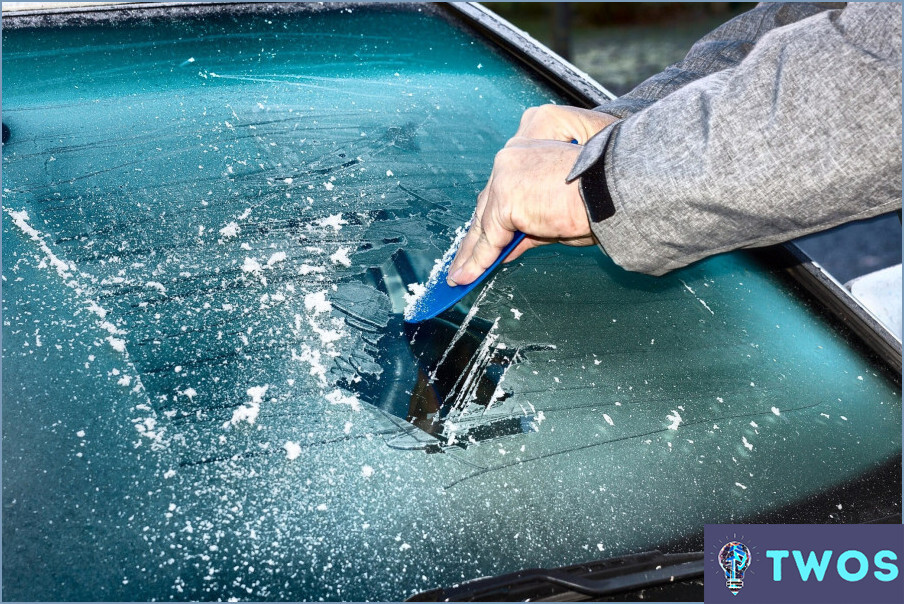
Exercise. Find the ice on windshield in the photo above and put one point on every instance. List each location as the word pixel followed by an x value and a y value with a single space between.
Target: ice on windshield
pixel 209 230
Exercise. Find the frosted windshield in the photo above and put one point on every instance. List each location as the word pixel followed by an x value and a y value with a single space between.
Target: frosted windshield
pixel 209 226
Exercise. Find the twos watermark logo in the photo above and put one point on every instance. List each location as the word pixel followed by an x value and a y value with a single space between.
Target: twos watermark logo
pixel 835 563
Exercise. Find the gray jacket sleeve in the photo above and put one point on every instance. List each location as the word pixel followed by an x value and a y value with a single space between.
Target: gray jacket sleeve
pixel 722 48
pixel 802 135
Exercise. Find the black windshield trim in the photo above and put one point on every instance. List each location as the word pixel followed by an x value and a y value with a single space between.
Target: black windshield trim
pixel 602 578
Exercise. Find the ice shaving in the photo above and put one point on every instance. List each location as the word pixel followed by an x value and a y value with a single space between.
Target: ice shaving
pixel 414 301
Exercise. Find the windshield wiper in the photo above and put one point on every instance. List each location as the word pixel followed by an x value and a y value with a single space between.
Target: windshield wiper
pixel 591 580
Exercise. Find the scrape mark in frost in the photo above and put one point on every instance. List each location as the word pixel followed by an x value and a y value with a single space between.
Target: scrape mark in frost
pixel 700 300
pixel 65 271
pixel 462 328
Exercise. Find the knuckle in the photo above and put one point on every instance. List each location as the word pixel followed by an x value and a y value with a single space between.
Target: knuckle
pixel 503 154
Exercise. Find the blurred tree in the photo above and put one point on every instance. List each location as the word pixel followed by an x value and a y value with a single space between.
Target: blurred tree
pixel 619 44
pixel 588 14
pixel 561 29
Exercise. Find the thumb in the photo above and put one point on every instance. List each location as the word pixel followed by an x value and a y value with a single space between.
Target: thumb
pixel 493 238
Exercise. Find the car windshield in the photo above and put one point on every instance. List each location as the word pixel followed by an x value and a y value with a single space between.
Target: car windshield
pixel 211 218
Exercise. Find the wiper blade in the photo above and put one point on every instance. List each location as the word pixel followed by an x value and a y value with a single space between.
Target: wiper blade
pixel 610 577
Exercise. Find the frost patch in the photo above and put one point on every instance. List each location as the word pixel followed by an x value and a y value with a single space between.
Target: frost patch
pixel 229 231
pixel 341 257
pixel 293 449
pixel 251 265
pixel 156 285
pixel 246 413
pixel 317 302
pixel 118 344
pixel 20 219
pixel 277 257
pixel 675 418
pixel 335 221
pixel 313 358
pixel 249 411
pixel 257 393
pixel 336 397
pixel 327 336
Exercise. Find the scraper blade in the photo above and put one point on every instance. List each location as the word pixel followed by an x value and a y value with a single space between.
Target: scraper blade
pixel 439 296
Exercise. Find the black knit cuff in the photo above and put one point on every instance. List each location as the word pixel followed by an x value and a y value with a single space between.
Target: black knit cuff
pixel 594 189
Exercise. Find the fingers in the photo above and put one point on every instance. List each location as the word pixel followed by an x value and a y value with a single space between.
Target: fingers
pixel 547 122
pixel 580 241
pixel 526 244
pixel 529 243
pixel 562 123
pixel 527 117
pixel 525 141
pixel 466 248
pixel 493 237
pixel 526 192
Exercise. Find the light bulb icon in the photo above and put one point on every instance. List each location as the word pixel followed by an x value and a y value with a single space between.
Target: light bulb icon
pixel 734 558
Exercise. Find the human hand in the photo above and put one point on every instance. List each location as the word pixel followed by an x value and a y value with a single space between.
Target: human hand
pixel 526 192
pixel 562 123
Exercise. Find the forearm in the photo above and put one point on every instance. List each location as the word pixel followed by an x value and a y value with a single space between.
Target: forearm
pixel 804 134
pixel 723 48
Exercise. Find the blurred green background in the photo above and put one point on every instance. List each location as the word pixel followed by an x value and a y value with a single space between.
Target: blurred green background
pixel 619 44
